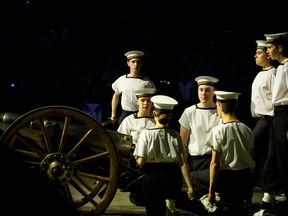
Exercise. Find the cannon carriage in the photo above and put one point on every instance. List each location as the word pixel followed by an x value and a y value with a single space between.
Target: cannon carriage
pixel 72 151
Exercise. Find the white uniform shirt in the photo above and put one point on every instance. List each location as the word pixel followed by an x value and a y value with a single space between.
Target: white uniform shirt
pixel 280 88
pixel 233 140
pixel 200 122
pixel 126 86
pixel 159 145
pixel 261 93
pixel 133 125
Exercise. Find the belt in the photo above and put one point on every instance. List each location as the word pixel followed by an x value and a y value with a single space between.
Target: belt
pixel 281 107
pixel 202 156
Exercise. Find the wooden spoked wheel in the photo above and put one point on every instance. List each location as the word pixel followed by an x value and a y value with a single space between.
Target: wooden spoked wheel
pixel 71 150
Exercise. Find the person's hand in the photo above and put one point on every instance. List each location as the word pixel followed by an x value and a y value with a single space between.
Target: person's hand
pixel 190 193
pixel 211 197
pixel 113 119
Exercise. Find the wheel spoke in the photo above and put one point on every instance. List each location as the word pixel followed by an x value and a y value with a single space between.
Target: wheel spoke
pixel 91 158
pixel 47 142
pixel 81 191
pixel 35 152
pixel 64 134
pixel 81 142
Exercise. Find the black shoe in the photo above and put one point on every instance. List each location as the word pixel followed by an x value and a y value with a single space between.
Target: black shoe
pixel 136 199
pixel 265 205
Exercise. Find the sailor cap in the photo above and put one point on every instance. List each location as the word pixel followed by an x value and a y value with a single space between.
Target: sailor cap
pixel 163 102
pixel 145 92
pixel 206 80
pixel 261 44
pixel 275 38
pixel 224 95
pixel 134 54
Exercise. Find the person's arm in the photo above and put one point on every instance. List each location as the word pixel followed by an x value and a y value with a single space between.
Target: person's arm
pixel 214 170
pixel 114 105
pixel 187 177
pixel 184 133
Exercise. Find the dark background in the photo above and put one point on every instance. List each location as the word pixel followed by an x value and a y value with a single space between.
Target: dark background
pixel 69 52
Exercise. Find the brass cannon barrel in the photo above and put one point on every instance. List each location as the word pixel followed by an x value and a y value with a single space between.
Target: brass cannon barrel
pixel 123 142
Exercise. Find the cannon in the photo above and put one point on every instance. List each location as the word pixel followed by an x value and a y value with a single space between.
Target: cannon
pixel 83 160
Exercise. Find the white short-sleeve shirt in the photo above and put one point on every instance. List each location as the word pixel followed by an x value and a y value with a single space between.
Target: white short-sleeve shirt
pixel 126 86
pixel 280 88
pixel 200 122
pixel 261 93
pixel 233 140
pixel 133 125
pixel 159 145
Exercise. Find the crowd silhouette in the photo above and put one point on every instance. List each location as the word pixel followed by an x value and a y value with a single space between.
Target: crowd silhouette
pixel 69 53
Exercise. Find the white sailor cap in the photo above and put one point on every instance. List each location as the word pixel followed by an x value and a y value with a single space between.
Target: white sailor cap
pixel 145 92
pixel 163 102
pixel 274 38
pixel 261 44
pixel 206 80
pixel 224 95
pixel 134 54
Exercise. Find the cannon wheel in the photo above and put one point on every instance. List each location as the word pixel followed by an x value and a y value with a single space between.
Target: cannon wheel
pixel 79 158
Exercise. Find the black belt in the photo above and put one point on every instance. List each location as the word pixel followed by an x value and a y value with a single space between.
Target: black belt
pixel 281 107
pixel 201 156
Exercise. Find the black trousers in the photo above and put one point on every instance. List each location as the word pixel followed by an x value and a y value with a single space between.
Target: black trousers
pixel 261 133
pixel 161 181
pixel 275 173
pixel 234 187
pixel 199 168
